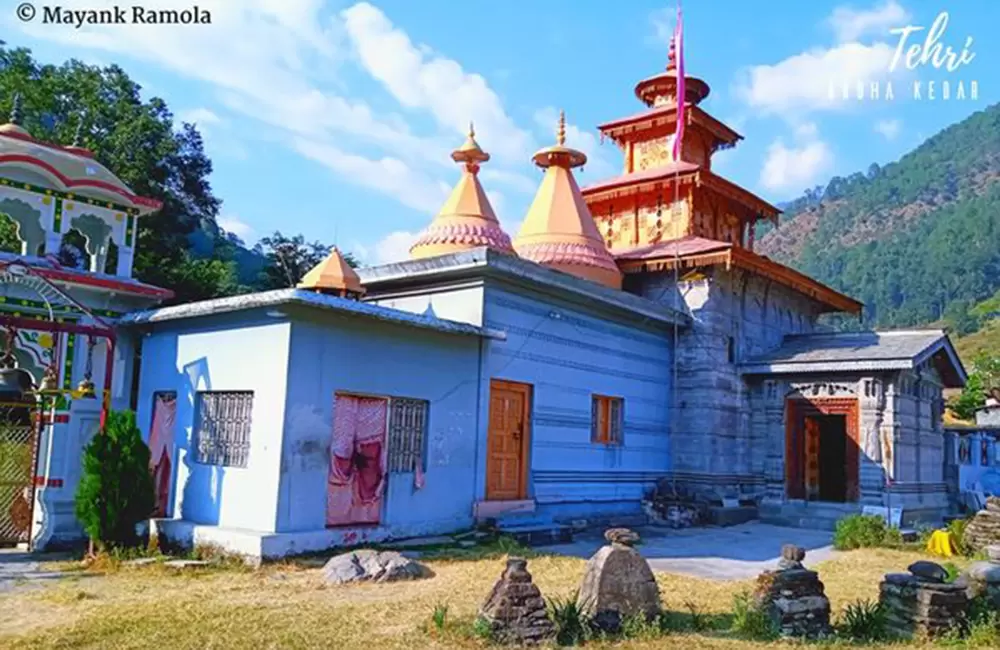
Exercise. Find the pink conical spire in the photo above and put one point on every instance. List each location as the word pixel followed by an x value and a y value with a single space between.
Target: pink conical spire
pixel 558 230
pixel 466 220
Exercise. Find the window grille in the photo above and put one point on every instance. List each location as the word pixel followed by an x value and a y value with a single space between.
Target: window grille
pixel 607 417
pixel 222 428
pixel 407 427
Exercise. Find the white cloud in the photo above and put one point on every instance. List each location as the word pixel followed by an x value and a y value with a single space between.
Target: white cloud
pixel 420 79
pixel 888 128
pixel 232 223
pixel 794 167
pixel 803 82
pixel 850 24
pixel 200 117
pixel 394 247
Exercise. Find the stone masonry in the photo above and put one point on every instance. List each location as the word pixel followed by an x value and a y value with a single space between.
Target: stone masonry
pixel 984 529
pixel 515 608
pixel 794 597
pixel 920 602
pixel 618 583
pixel 983 578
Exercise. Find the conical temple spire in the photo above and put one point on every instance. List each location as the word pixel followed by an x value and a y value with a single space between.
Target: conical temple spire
pixel 13 125
pixel 558 231
pixel 15 110
pixel 466 220
pixel 333 276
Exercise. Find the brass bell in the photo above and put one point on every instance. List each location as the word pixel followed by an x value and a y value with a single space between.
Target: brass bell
pixel 85 389
pixel 50 380
pixel 14 383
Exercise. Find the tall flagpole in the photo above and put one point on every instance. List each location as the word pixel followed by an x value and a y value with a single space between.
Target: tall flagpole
pixel 681 115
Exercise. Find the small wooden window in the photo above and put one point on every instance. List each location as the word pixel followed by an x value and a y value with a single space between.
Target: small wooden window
pixel 607 416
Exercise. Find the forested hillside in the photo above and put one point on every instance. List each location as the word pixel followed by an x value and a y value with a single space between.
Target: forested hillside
pixel 918 241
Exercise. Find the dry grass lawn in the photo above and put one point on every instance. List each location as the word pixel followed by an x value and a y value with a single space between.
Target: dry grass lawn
pixel 287 606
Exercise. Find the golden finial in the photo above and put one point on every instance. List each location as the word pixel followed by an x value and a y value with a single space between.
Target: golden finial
pixel 470 153
pixel 472 129
pixel 560 155
pixel 561 131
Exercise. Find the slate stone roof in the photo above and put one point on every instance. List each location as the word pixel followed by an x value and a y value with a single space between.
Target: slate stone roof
pixel 307 299
pixel 861 351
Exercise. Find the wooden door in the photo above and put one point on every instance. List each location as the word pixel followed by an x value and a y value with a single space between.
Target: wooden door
pixel 508 441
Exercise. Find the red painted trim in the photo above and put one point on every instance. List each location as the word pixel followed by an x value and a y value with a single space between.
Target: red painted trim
pixel 60 418
pixel 41 481
pixel 50 326
pixel 72 182
pixel 75 277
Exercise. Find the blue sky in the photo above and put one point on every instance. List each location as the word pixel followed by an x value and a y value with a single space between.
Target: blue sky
pixel 335 119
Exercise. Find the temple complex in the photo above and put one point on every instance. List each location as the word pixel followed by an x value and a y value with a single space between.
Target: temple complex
pixel 627 337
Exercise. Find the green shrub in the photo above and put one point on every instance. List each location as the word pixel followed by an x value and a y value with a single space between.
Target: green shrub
pixel 953 572
pixel 483 629
pixel 865 531
pixel 751 620
pixel 956 529
pixel 572 623
pixel 864 620
pixel 440 616
pixel 116 489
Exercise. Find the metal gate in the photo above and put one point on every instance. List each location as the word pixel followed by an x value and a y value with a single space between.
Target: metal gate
pixel 18 446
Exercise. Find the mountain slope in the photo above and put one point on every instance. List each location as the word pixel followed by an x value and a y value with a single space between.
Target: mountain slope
pixel 918 240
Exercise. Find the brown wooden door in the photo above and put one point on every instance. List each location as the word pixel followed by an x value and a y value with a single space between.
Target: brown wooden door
pixel 508 437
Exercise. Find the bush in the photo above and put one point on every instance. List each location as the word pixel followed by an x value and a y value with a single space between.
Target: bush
pixel 956 530
pixel 865 531
pixel 864 620
pixel 751 620
pixel 116 488
pixel 573 625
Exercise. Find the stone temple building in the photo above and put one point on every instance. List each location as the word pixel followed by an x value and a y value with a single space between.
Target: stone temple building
pixel 627 336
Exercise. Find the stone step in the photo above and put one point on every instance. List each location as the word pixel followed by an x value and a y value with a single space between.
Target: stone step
pixel 538 534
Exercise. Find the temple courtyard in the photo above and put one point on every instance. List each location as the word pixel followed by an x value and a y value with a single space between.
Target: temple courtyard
pixel 288 605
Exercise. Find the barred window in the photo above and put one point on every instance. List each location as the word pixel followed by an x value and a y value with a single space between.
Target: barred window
pixel 607 416
pixel 222 427
pixel 407 426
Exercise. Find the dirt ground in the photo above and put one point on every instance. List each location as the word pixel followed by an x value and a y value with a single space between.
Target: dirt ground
pixel 288 605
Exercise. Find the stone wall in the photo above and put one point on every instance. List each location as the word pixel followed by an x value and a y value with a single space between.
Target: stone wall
pixel 737 315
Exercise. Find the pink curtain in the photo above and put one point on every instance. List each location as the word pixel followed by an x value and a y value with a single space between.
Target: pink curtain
pixel 161 441
pixel 357 461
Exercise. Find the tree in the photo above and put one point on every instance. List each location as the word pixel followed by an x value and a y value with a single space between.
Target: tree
pixel 290 258
pixel 138 141
pixel 985 375
pixel 116 488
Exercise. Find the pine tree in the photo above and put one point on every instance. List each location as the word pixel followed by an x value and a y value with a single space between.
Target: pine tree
pixel 116 490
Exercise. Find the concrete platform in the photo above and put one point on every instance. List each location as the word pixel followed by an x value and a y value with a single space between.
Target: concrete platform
pixel 731 553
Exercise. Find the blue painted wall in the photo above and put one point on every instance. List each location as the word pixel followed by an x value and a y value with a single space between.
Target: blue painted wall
pixel 330 354
pixel 568 353
pixel 244 351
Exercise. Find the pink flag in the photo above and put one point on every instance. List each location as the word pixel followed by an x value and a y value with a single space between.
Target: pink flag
pixel 681 94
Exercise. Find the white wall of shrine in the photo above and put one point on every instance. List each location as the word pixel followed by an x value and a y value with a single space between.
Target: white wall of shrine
pixel 43 219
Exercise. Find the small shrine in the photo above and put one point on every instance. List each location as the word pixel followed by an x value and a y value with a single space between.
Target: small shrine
pixel 63 365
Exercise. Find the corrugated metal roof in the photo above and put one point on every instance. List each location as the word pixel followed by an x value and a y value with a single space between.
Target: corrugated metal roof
pixel 857 351
pixel 307 299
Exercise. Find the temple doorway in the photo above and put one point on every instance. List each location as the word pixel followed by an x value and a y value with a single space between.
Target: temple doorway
pixel 821 450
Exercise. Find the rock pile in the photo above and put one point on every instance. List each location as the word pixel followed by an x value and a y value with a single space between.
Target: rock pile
pixel 984 529
pixel 618 583
pixel 794 597
pixel 983 578
pixel 366 565
pixel 920 602
pixel 515 608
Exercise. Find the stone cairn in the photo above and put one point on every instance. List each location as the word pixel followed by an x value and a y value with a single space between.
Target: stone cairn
pixel 515 608
pixel 618 583
pixel 921 602
pixel 983 578
pixel 984 529
pixel 794 597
